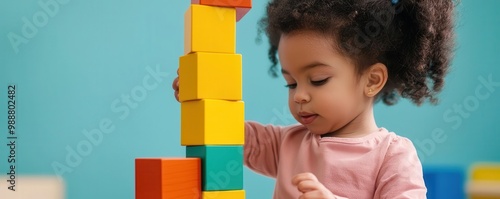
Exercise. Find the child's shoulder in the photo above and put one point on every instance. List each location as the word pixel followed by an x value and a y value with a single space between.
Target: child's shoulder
pixel 397 139
pixel 381 139
pixel 398 144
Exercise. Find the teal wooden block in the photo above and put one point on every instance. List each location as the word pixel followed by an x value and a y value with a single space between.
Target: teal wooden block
pixel 222 166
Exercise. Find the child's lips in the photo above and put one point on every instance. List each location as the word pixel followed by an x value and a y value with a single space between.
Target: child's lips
pixel 308 118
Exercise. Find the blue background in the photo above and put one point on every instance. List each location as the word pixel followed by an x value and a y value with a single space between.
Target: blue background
pixel 91 53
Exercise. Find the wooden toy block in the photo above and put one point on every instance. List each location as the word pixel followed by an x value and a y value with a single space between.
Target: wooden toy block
pixel 483 190
pixel 242 6
pixel 225 3
pixel 210 29
pixel 210 76
pixel 485 181
pixel 167 178
pixel 212 122
pixel 236 194
pixel 444 182
pixel 222 166
pixel 486 172
pixel 33 186
pixel 241 12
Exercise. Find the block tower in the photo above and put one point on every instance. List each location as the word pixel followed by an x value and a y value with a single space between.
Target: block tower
pixel 212 111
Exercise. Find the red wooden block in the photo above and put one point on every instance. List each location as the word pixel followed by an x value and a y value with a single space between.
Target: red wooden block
pixel 167 178
pixel 225 3
pixel 242 6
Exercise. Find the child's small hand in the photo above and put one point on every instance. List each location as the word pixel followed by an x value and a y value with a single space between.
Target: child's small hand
pixel 311 188
pixel 175 86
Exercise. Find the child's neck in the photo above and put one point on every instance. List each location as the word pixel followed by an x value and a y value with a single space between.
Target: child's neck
pixel 362 125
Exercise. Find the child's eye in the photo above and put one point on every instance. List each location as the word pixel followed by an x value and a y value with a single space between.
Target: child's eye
pixel 291 86
pixel 320 82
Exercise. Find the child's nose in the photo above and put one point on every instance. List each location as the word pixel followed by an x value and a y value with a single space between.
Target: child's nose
pixel 301 96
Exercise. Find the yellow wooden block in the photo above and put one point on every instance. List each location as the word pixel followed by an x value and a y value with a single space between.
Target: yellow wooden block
pixel 235 194
pixel 212 122
pixel 485 171
pixel 210 76
pixel 209 29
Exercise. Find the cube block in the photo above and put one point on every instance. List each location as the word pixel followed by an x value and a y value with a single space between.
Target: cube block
pixel 486 172
pixel 483 190
pixel 242 6
pixel 236 194
pixel 210 76
pixel 212 122
pixel 485 181
pixel 222 166
pixel 210 29
pixel 241 12
pixel 225 3
pixel 444 182
pixel 167 178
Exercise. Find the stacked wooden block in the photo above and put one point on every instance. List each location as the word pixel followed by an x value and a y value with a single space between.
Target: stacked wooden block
pixel 484 181
pixel 212 111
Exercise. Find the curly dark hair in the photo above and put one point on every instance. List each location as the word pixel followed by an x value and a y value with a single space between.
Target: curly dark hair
pixel 413 38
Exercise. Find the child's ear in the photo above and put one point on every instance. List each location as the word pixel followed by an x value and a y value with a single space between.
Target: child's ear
pixel 376 76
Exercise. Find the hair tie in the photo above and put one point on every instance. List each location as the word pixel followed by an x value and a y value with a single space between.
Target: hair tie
pixel 394 2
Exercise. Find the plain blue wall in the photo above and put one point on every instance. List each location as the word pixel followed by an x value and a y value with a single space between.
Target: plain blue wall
pixel 78 64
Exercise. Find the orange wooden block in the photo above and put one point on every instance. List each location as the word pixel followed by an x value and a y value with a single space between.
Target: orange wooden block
pixel 167 178
pixel 242 6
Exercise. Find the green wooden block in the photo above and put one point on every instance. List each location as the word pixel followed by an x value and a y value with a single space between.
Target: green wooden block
pixel 222 166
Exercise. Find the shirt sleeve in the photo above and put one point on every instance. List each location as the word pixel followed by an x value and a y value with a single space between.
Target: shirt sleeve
pixel 401 176
pixel 261 150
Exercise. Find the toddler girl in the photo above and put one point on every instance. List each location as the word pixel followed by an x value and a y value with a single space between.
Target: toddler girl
pixel 338 58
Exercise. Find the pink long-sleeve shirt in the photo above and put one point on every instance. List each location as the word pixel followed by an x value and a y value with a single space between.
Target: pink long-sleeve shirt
pixel 379 165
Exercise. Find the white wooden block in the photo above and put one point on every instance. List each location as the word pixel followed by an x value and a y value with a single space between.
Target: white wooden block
pixel 28 186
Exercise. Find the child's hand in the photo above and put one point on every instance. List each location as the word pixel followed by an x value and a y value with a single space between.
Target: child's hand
pixel 175 86
pixel 311 188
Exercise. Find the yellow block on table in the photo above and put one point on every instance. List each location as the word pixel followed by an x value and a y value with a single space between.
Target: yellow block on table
pixel 236 194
